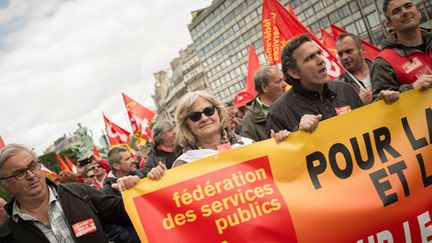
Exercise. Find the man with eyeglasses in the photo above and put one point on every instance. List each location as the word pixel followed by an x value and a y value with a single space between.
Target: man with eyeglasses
pixel 44 212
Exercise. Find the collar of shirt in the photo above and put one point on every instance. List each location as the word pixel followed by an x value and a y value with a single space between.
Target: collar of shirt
pixel 313 95
pixel 265 108
pixel 16 211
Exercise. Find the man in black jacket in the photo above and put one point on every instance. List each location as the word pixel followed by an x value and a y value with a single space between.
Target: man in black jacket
pixel 122 164
pixel 43 212
pixel 312 97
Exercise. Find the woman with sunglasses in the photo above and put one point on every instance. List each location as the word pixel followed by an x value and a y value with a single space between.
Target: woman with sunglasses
pixel 203 129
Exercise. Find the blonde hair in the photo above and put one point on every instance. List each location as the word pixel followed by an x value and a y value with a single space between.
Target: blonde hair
pixel 185 137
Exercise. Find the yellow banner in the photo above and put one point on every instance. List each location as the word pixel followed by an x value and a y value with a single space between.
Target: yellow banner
pixel 365 176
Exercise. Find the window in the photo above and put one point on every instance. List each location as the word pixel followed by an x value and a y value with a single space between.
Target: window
pixel 344 11
pixel 318 7
pixel 334 17
pixel 354 7
pixel 360 26
pixel 373 19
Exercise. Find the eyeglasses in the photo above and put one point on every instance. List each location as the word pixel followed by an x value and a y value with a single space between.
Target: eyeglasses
pixel 20 174
pixel 196 116
pixel 94 167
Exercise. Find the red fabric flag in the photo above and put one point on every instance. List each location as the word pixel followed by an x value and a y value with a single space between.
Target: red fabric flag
pixel 116 135
pixel 2 144
pixel 96 152
pixel 71 164
pixel 371 51
pixel 253 65
pixel 280 25
pixel 48 173
pixel 329 41
pixel 62 164
pixel 140 118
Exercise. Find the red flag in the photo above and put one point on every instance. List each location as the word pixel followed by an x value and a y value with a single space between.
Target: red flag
pixel 253 65
pixel 62 164
pixel 329 41
pixel 371 51
pixel 280 25
pixel 96 152
pixel 140 118
pixel 116 134
pixel 71 164
pixel 47 172
pixel 2 144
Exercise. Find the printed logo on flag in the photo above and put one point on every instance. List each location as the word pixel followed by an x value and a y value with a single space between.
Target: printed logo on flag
pixel 240 201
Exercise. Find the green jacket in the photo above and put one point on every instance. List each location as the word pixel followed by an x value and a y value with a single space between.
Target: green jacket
pixel 253 125
pixel 383 76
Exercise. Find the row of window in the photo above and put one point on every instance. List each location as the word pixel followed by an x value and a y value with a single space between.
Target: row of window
pixel 222 23
pixel 222 52
pixel 236 27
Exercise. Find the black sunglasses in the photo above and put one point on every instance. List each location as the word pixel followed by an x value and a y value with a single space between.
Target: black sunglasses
pixel 33 166
pixel 196 116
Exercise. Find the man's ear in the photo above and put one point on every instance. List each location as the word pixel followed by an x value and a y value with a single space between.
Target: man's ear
pixel 388 24
pixel 116 166
pixel 293 73
pixel 264 88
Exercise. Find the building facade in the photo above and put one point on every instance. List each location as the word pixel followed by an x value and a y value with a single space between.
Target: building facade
pixel 223 31
pixel 185 75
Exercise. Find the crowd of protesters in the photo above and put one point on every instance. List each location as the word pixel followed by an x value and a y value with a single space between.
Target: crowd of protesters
pixel 87 207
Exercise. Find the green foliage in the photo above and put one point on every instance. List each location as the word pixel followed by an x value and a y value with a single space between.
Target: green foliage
pixel 3 194
pixel 50 160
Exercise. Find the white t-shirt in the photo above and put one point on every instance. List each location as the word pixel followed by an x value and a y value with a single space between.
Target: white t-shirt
pixel 196 154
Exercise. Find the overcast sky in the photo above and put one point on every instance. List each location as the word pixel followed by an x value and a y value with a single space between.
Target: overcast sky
pixel 64 62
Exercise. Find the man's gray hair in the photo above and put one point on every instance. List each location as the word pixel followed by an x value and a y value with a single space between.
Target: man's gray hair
pixel 10 150
pixel 262 76
pixel 159 129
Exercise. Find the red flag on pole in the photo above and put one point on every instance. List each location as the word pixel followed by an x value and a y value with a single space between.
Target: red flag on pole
pixel 280 25
pixel 2 144
pixel 140 118
pixel 71 164
pixel 96 152
pixel 62 164
pixel 116 134
pixel 329 41
pixel 253 65
pixel 371 51
pixel 47 172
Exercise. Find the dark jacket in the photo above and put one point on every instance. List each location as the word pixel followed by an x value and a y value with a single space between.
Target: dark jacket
pixel 156 155
pixel 253 125
pixel 287 111
pixel 79 202
pixel 350 80
pixel 118 233
pixel 383 76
